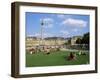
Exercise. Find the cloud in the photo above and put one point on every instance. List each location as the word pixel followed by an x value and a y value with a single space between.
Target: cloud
pixel 37 34
pixel 64 33
pixel 47 22
pixel 44 35
pixel 75 30
pixel 29 35
pixel 47 35
pixel 74 22
pixel 61 16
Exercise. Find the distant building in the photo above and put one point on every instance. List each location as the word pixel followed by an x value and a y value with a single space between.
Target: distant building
pixel 31 41
pixel 56 41
pixel 34 41
pixel 31 38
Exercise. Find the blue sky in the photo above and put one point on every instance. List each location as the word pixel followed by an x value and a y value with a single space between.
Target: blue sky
pixel 56 25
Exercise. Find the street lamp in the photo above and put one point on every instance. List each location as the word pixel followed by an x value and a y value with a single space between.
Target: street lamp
pixel 41 38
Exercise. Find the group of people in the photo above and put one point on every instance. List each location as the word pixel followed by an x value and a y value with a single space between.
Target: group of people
pixel 45 49
pixel 73 55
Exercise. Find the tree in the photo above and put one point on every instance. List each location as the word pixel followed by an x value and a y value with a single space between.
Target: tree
pixel 85 39
pixel 69 41
pixel 66 43
pixel 79 41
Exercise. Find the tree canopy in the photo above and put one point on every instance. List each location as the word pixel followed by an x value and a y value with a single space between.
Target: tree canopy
pixel 84 40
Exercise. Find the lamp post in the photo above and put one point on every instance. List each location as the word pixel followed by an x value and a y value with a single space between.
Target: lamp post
pixel 41 34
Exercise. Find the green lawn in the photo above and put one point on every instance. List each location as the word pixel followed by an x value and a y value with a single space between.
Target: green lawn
pixel 55 59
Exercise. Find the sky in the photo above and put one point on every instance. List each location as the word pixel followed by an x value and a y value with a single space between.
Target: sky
pixel 56 25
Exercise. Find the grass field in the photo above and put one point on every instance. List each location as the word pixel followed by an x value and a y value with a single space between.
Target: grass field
pixel 55 59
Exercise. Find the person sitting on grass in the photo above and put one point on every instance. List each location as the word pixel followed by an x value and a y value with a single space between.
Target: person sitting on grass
pixel 72 56
pixel 80 52
pixel 47 50
pixel 32 50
